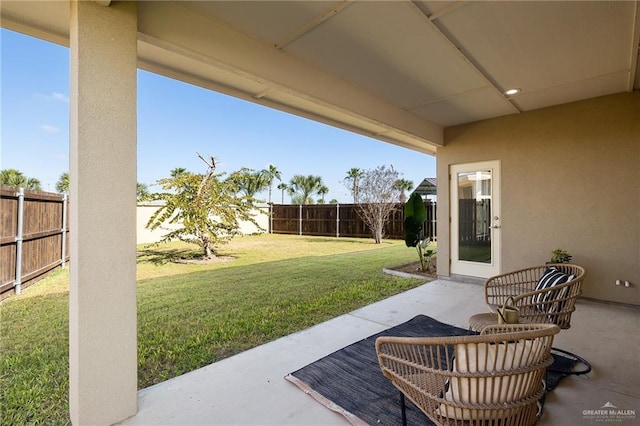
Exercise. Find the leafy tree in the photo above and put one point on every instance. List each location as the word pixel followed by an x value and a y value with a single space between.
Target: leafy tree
pixel 304 187
pixel 352 182
pixel 206 208
pixel 62 185
pixel 403 185
pixel 13 177
pixel 283 187
pixel 272 173
pixel 377 196
pixel 248 181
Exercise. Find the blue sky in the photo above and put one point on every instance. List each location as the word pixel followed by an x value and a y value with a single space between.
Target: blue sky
pixel 176 120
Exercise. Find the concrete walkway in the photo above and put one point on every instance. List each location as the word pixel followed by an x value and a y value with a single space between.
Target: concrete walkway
pixel 250 389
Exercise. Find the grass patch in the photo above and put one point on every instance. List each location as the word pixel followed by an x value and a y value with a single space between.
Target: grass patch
pixel 190 315
pixel 34 360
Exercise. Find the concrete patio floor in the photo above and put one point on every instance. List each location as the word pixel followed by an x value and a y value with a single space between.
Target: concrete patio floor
pixel 250 389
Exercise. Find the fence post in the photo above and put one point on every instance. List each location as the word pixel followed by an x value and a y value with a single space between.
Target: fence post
pixel 337 220
pixel 300 224
pixel 17 283
pixel 64 231
pixel 433 206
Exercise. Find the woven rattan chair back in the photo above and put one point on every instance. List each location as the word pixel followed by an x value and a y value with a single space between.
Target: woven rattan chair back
pixel 552 305
pixel 495 378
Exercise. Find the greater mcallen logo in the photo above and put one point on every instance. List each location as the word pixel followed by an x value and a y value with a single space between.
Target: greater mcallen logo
pixel 609 413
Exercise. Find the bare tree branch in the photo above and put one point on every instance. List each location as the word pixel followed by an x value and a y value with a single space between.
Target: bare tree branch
pixel 377 198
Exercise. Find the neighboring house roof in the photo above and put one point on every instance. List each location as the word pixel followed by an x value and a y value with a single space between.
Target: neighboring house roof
pixel 426 187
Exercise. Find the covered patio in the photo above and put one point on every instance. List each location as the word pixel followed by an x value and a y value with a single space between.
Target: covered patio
pixel 542 96
pixel 250 389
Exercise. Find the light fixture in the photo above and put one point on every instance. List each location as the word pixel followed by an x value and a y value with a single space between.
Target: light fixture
pixel 511 92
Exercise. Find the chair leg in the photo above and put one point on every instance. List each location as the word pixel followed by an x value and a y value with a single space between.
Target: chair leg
pixel 404 410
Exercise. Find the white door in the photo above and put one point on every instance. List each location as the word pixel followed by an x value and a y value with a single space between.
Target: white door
pixel 475 219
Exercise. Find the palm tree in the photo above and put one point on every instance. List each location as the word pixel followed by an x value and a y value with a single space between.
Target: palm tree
pixel 353 176
pixel 322 191
pixel 256 182
pixel 33 184
pixel 178 171
pixel 62 185
pixel 403 185
pixel 304 187
pixel 283 187
pixel 248 181
pixel 272 173
pixel 142 191
pixel 13 177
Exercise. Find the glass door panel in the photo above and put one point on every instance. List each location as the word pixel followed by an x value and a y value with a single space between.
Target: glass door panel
pixel 475 214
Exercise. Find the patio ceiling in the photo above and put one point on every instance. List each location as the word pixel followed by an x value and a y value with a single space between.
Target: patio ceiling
pixel 396 71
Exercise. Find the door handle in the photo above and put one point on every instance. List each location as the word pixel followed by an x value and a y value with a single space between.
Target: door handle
pixel 495 226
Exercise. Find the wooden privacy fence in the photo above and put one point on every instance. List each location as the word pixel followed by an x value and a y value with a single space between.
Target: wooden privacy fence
pixel 33 236
pixel 474 222
pixel 339 220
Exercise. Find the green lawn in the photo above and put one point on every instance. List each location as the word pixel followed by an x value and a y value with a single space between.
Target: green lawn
pixel 190 315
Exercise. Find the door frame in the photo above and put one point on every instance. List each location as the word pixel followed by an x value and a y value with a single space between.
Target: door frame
pixel 469 268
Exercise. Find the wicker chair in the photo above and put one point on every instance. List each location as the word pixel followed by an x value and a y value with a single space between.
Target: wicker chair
pixel 551 305
pixel 495 378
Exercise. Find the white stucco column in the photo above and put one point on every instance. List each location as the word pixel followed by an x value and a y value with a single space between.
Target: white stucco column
pixel 102 294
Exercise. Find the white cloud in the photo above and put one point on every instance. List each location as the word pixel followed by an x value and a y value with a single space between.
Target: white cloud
pixel 54 96
pixel 49 129
pixel 60 97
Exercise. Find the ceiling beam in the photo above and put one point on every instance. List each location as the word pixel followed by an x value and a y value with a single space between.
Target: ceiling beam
pixel 333 11
pixel 444 10
pixel 216 44
pixel 17 16
pixel 330 116
pixel 463 54
pixel 634 68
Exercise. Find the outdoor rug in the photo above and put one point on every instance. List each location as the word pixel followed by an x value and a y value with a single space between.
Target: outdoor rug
pixel 349 381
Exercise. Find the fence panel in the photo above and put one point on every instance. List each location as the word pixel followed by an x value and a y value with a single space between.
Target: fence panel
pixel 319 219
pixel 341 220
pixel 351 225
pixel 8 232
pixel 34 232
pixel 286 219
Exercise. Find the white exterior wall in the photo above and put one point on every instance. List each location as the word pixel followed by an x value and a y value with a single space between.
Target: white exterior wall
pixel 147 236
pixel 569 179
